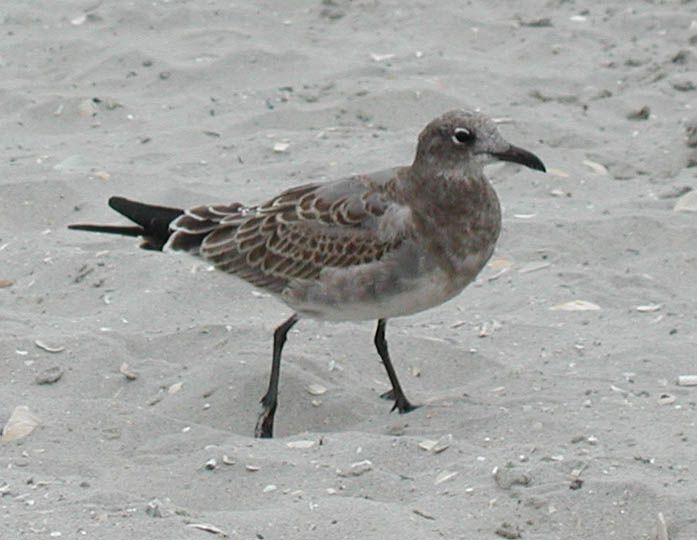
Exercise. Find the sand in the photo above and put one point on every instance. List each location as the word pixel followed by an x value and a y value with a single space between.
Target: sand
pixel 552 424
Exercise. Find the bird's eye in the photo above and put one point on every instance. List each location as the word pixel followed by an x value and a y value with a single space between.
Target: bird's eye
pixel 463 136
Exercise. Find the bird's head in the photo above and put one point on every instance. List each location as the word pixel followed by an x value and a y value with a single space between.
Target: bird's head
pixel 468 141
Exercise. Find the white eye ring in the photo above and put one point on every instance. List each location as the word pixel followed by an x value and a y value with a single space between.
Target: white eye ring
pixel 463 136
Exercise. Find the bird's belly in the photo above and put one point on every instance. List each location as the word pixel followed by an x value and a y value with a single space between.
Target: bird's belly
pixel 376 291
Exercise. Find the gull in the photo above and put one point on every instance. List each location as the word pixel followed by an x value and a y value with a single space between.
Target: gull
pixel 367 247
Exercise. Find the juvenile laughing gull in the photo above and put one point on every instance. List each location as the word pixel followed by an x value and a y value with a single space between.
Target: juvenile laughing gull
pixel 367 247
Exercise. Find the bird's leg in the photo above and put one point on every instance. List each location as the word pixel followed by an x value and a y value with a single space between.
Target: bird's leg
pixel 401 403
pixel 264 428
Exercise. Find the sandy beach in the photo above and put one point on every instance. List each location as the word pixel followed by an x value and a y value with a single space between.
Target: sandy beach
pixel 557 388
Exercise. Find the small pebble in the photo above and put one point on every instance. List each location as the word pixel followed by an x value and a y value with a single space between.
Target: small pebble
pixel 316 389
pixel 676 191
pixel 691 131
pixel 126 371
pixel 437 446
pixel 357 469
pixel 506 530
pixel 542 22
pixel 666 399
pixel 49 376
pixel 681 57
pixel 507 477
pixel 153 509
pixel 683 85
pixel 639 114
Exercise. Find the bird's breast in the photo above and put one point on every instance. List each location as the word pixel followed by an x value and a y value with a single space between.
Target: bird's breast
pixel 461 230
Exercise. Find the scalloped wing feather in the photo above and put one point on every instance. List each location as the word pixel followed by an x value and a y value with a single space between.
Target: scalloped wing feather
pixel 293 236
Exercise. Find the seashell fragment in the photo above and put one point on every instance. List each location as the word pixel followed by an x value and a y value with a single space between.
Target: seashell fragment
pixel 20 424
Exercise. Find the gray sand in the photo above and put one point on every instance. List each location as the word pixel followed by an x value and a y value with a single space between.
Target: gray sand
pixel 577 411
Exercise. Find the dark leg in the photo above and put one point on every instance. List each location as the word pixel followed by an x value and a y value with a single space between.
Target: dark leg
pixel 264 428
pixel 401 402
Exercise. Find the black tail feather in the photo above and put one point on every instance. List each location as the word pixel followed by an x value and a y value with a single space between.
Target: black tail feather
pixel 124 230
pixel 153 222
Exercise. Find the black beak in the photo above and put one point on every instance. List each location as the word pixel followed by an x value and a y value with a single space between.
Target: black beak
pixel 518 155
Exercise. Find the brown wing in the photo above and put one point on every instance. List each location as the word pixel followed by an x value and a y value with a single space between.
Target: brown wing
pixel 292 236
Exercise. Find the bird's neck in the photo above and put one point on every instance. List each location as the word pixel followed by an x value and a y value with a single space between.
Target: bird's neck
pixel 450 195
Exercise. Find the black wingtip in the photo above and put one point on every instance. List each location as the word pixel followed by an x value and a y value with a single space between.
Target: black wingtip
pixel 120 204
pixel 154 219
